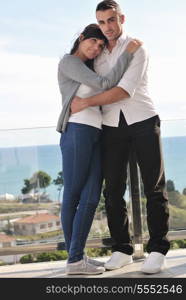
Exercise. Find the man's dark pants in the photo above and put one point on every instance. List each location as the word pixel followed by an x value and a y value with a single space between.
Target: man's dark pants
pixel 117 142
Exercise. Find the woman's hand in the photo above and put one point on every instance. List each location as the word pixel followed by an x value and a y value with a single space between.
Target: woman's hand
pixel 134 45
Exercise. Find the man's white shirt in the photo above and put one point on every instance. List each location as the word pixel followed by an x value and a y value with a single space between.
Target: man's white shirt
pixel 139 106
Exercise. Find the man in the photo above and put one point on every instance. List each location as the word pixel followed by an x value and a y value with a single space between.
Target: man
pixel 129 121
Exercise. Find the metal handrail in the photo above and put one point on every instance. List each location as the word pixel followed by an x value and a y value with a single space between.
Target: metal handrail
pixel 54 126
pixel 91 243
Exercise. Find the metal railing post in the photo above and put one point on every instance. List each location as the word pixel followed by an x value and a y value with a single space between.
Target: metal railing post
pixel 136 205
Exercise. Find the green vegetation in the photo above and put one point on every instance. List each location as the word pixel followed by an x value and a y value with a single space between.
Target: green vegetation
pixel 92 252
pixel 177 217
pixel 61 255
pixel 39 179
pixel 177 207
pixel 27 187
pixel 28 258
pixel 170 186
pixel 7 207
pixel 45 256
pixel 184 191
pixel 59 183
pixel 101 205
pixel 2 263
pixel 176 244
pixel 177 204
pixel 95 252
pixel 39 236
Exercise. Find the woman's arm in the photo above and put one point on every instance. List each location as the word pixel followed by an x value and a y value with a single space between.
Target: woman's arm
pixel 72 67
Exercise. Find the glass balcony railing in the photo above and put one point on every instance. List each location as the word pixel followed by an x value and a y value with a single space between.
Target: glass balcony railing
pixel 174 152
pixel 25 152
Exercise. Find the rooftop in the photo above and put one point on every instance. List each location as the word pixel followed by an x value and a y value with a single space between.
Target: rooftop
pixel 37 218
pixel 5 238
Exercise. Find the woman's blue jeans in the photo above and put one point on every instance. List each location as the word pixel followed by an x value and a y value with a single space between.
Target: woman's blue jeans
pixel 80 146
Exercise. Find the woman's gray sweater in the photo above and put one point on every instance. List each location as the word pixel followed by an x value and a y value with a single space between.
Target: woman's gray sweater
pixel 72 72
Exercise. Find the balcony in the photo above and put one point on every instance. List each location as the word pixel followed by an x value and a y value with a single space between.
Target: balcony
pixel 25 152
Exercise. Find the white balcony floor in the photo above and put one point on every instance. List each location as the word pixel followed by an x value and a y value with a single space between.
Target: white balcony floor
pixel 176 268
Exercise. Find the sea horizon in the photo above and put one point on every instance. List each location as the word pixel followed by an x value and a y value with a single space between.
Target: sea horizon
pixel 21 162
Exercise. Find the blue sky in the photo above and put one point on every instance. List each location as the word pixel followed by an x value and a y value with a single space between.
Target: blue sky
pixel 35 34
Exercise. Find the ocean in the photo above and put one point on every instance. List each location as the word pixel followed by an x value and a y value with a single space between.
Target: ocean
pixel 19 163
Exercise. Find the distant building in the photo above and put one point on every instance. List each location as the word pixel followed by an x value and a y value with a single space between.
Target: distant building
pixel 38 223
pixel 7 241
pixel 35 198
pixel 7 197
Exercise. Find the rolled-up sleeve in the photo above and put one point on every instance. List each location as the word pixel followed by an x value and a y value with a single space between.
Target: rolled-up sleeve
pixel 132 77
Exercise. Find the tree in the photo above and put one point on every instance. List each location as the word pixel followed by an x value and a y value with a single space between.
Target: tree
pixel 101 205
pixel 184 191
pixel 9 227
pixel 175 198
pixel 59 182
pixel 27 187
pixel 40 179
pixel 170 186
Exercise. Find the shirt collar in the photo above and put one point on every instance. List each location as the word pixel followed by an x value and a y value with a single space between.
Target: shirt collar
pixel 121 39
pixel 119 42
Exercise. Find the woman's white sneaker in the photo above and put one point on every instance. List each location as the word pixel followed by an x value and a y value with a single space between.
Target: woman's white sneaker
pixel 154 263
pixel 118 260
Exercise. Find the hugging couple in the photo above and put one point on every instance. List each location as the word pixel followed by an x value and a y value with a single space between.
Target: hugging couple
pixel 107 111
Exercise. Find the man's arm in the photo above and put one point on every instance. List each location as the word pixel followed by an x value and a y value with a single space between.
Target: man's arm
pixel 125 88
pixel 113 95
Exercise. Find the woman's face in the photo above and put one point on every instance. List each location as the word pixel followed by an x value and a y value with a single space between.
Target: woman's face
pixel 90 48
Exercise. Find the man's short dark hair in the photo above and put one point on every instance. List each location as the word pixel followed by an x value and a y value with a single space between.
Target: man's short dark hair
pixel 108 4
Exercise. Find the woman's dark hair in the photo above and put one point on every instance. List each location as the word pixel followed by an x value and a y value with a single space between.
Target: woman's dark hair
pixel 108 4
pixel 90 31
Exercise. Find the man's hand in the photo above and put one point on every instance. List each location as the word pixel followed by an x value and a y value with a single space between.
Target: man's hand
pixel 78 104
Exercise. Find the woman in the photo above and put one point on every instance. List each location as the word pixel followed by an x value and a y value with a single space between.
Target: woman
pixel 80 142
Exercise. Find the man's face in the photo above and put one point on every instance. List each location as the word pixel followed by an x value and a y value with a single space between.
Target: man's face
pixel 110 23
